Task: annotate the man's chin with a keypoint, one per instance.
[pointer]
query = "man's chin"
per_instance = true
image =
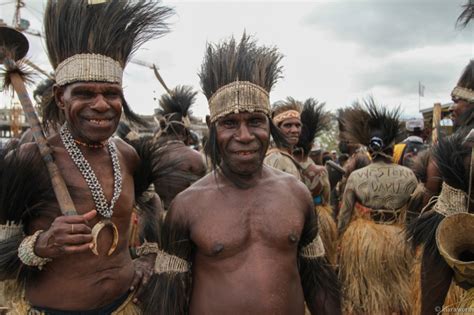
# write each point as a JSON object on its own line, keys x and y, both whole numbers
{"x": 243, "y": 170}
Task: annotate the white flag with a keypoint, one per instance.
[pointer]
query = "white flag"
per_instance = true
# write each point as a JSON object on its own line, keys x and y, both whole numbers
{"x": 421, "y": 89}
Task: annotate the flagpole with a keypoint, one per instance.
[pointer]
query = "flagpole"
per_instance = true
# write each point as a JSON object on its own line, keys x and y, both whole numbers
{"x": 419, "y": 97}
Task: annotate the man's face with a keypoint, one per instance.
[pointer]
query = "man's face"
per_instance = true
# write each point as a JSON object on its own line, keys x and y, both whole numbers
{"x": 460, "y": 107}
{"x": 92, "y": 109}
{"x": 291, "y": 127}
{"x": 243, "y": 140}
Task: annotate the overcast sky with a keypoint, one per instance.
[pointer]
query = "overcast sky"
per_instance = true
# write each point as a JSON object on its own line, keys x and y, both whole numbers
{"x": 335, "y": 50}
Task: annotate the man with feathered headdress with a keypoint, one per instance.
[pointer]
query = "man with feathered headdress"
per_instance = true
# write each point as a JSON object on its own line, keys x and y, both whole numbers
{"x": 248, "y": 231}
{"x": 61, "y": 264}
{"x": 175, "y": 135}
{"x": 374, "y": 261}
{"x": 439, "y": 185}
{"x": 286, "y": 116}
{"x": 314, "y": 120}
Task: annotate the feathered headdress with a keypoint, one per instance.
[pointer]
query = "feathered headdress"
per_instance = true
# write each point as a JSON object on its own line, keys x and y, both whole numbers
{"x": 465, "y": 88}
{"x": 94, "y": 42}
{"x": 175, "y": 107}
{"x": 289, "y": 108}
{"x": 372, "y": 125}
{"x": 237, "y": 77}
{"x": 314, "y": 120}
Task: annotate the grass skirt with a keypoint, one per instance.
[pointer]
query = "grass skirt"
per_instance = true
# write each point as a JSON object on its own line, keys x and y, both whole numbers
{"x": 375, "y": 264}
{"x": 328, "y": 232}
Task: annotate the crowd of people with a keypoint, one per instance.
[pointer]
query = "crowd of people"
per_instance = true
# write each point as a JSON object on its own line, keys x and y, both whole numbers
{"x": 257, "y": 222}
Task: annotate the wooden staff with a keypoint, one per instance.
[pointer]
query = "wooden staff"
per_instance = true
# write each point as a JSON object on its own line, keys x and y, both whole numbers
{"x": 158, "y": 76}
{"x": 436, "y": 121}
{"x": 14, "y": 43}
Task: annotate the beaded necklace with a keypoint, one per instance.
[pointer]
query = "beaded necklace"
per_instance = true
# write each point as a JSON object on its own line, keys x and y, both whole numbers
{"x": 88, "y": 145}
{"x": 89, "y": 175}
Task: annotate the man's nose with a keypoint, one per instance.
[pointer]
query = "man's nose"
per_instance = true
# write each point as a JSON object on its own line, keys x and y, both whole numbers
{"x": 243, "y": 134}
{"x": 100, "y": 104}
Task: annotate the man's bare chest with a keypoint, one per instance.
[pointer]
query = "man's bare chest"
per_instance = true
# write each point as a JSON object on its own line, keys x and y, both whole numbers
{"x": 226, "y": 231}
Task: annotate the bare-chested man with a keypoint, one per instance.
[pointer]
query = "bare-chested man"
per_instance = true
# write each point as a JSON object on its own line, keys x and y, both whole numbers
{"x": 57, "y": 267}
{"x": 248, "y": 231}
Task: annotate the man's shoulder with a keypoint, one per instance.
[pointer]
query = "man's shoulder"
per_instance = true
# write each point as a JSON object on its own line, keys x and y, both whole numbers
{"x": 282, "y": 179}
{"x": 199, "y": 187}
{"x": 126, "y": 149}
{"x": 361, "y": 170}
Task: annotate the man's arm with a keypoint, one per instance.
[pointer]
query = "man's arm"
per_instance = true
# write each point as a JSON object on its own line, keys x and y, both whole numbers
{"x": 168, "y": 291}
{"x": 320, "y": 284}
{"x": 28, "y": 203}
{"x": 436, "y": 278}
{"x": 433, "y": 182}
{"x": 149, "y": 215}
{"x": 348, "y": 203}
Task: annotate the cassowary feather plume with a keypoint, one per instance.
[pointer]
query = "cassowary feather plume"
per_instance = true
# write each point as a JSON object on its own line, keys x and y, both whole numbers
{"x": 314, "y": 119}
{"x": 367, "y": 121}
{"x": 116, "y": 28}
{"x": 177, "y": 105}
{"x": 230, "y": 61}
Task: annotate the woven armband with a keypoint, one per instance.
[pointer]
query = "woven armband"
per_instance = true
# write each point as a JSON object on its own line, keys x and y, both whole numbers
{"x": 450, "y": 201}
{"x": 26, "y": 252}
{"x": 147, "y": 248}
{"x": 166, "y": 263}
{"x": 315, "y": 249}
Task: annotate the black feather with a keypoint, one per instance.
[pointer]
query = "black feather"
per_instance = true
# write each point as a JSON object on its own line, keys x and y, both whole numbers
{"x": 22, "y": 69}
{"x": 466, "y": 15}
{"x": 422, "y": 231}
{"x": 228, "y": 62}
{"x": 368, "y": 119}
{"x": 178, "y": 103}
{"x": 115, "y": 29}
{"x": 318, "y": 277}
{"x": 314, "y": 120}
{"x": 21, "y": 200}
{"x": 453, "y": 159}
{"x": 175, "y": 286}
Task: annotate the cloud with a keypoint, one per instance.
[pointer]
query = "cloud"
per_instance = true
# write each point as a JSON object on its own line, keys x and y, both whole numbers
{"x": 382, "y": 26}
{"x": 436, "y": 67}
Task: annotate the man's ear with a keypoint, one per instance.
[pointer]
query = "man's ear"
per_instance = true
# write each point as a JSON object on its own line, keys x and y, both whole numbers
{"x": 58, "y": 92}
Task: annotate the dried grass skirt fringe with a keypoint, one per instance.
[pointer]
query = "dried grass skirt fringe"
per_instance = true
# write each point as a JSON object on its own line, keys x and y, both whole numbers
{"x": 375, "y": 264}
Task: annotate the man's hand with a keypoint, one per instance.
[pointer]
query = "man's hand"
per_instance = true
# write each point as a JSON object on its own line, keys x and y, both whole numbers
{"x": 66, "y": 235}
{"x": 144, "y": 268}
